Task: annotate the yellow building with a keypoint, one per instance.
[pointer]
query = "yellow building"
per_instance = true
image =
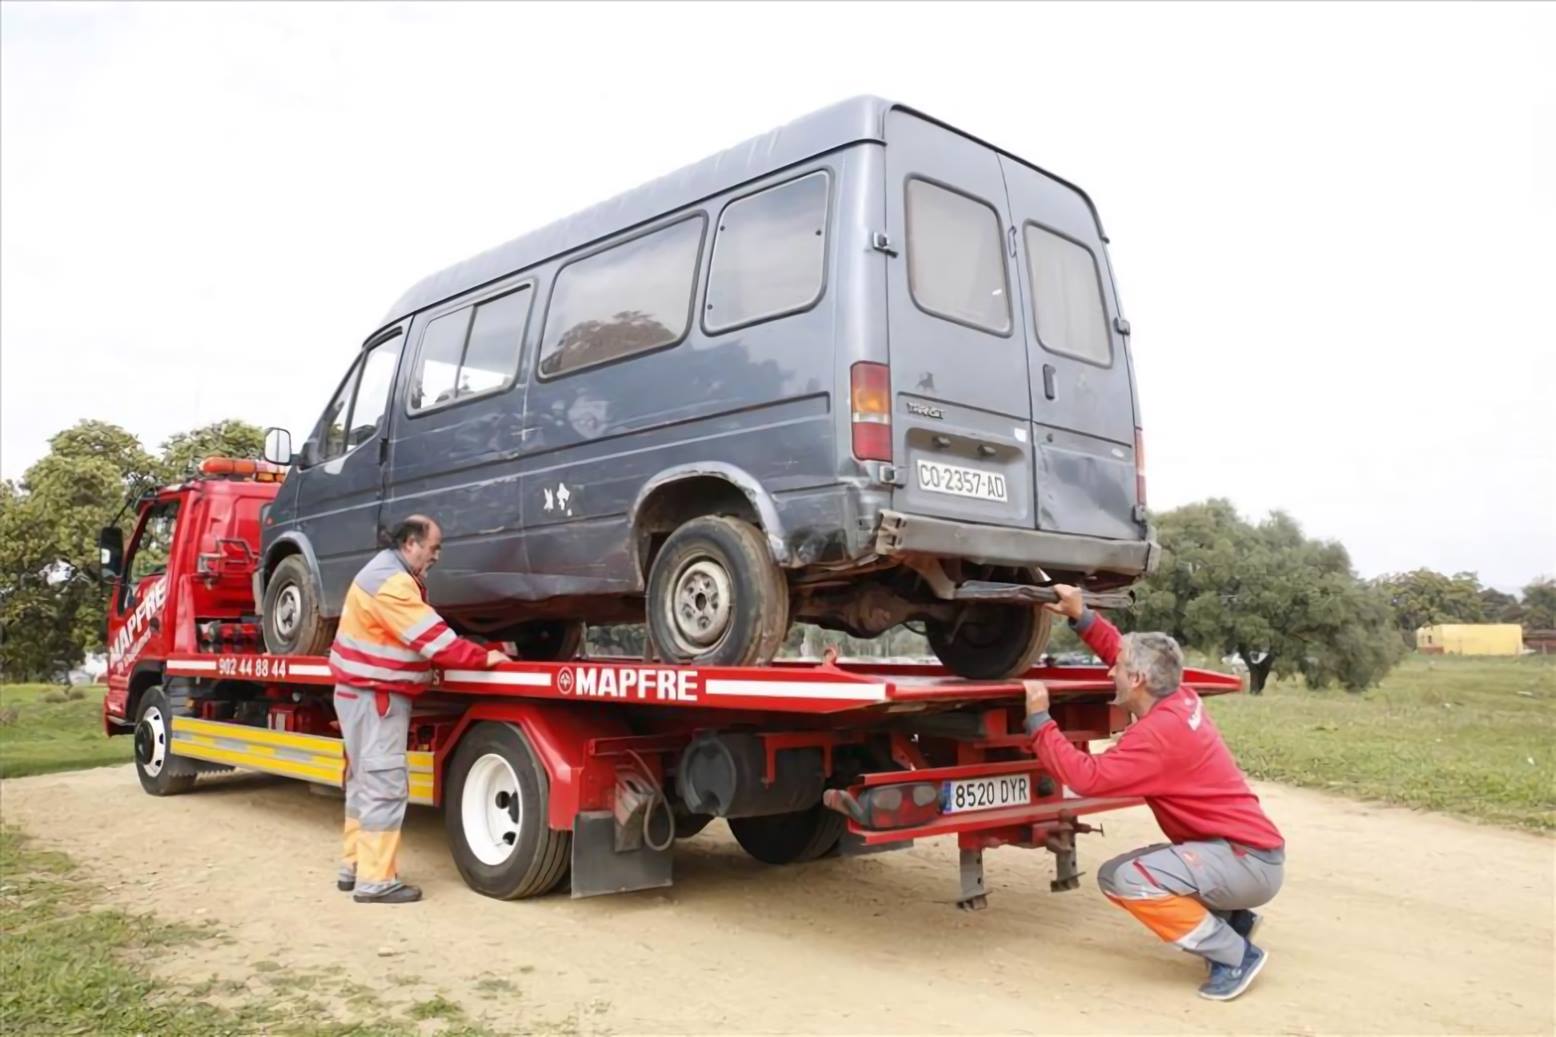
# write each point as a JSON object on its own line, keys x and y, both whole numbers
{"x": 1471, "y": 639}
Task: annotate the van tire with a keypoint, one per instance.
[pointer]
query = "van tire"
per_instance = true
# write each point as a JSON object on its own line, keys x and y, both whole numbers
{"x": 716, "y": 597}
{"x": 992, "y": 642}
{"x": 790, "y": 838}
{"x": 292, "y": 623}
{"x": 499, "y": 758}
{"x": 160, "y": 772}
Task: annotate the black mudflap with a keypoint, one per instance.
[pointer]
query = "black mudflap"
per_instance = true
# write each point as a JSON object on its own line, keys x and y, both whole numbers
{"x": 599, "y": 868}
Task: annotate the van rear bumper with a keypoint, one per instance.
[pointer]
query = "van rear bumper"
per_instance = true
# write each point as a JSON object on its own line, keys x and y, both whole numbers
{"x": 899, "y": 534}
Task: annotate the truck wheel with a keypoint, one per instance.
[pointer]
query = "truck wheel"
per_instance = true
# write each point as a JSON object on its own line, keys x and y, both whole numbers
{"x": 546, "y": 640}
{"x": 160, "y": 772}
{"x": 716, "y": 597}
{"x": 292, "y": 622}
{"x": 494, "y": 808}
{"x": 802, "y": 835}
{"x": 992, "y": 642}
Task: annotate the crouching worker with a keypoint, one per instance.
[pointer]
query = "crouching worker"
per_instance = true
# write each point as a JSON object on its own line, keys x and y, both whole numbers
{"x": 1225, "y": 857}
{"x": 387, "y": 644}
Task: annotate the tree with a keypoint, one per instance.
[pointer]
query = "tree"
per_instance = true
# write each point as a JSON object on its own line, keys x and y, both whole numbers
{"x": 51, "y": 605}
{"x": 1539, "y": 605}
{"x": 1423, "y": 598}
{"x": 183, "y": 451}
{"x": 1282, "y": 602}
{"x": 1498, "y": 607}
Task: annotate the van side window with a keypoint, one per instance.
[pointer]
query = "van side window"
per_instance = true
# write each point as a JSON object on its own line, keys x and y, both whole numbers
{"x": 470, "y": 352}
{"x": 629, "y": 299}
{"x": 1067, "y": 297}
{"x": 332, "y": 426}
{"x": 373, "y": 389}
{"x": 768, "y": 254}
{"x": 956, "y": 258}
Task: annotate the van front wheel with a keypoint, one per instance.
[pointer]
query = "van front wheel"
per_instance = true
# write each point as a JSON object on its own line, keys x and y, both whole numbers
{"x": 991, "y": 642}
{"x": 716, "y": 597}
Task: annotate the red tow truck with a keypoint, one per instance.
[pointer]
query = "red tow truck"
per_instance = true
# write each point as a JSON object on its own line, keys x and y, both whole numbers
{"x": 588, "y": 769}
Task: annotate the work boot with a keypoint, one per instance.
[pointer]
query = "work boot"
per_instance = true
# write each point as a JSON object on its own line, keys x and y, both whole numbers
{"x": 1228, "y": 981}
{"x": 401, "y": 894}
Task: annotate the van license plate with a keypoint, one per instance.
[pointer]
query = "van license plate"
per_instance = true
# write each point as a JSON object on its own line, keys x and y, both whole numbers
{"x": 962, "y": 482}
{"x": 1006, "y": 790}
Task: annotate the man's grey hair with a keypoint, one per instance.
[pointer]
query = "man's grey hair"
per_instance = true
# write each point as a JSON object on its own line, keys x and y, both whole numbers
{"x": 1155, "y": 657}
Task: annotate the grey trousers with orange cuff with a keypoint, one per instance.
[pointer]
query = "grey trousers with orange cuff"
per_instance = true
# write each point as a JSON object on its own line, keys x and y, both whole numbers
{"x": 1183, "y": 891}
{"x": 377, "y": 787}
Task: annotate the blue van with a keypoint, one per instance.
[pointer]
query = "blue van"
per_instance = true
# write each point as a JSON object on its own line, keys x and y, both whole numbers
{"x": 864, "y": 370}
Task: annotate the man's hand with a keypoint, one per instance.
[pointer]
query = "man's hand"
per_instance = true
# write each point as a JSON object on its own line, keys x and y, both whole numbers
{"x": 1037, "y": 696}
{"x": 1070, "y": 602}
{"x": 494, "y": 658}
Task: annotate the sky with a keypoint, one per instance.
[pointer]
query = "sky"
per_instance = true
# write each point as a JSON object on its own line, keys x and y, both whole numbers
{"x": 1333, "y": 226}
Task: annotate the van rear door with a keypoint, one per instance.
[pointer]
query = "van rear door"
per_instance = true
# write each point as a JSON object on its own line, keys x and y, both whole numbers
{"x": 961, "y": 402}
{"x": 1082, "y": 397}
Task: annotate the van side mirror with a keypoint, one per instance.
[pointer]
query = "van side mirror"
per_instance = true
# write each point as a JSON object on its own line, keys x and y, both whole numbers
{"x": 278, "y": 446}
{"x": 110, "y": 547}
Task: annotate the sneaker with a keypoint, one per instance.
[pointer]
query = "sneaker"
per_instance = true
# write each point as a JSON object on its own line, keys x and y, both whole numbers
{"x": 401, "y": 894}
{"x": 345, "y": 885}
{"x": 1228, "y": 981}
{"x": 1244, "y": 923}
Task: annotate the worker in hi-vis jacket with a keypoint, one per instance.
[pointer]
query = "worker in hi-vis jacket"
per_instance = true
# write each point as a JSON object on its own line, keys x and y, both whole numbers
{"x": 387, "y": 644}
{"x": 1224, "y": 856}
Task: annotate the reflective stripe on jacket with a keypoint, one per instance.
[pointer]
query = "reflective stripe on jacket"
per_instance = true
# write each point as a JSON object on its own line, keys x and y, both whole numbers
{"x": 389, "y": 638}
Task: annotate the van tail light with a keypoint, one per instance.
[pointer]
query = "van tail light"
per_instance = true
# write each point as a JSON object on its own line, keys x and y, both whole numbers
{"x": 870, "y": 391}
{"x": 1140, "y": 468}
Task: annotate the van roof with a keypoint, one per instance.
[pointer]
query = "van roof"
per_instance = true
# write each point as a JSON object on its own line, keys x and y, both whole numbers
{"x": 853, "y": 121}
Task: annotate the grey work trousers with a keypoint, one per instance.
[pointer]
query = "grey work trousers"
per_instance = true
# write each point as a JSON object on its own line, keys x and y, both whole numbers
{"x": 377, "y": 786}
{"x": 1183, "y": 892}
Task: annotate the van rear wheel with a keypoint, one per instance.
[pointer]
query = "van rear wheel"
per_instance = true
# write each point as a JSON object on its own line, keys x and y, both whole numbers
{"x": 716, "y": 597}
{"x": 991, "y": 642}
{"x": 292, "y": 623}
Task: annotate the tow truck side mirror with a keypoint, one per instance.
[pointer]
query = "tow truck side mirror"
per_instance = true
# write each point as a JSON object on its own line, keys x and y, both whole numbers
{"x": 110, "y": 546}
{"x": 278, "y": 446}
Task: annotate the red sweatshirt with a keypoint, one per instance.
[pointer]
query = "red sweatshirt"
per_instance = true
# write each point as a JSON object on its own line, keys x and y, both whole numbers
{"x": 1173, "y": 757}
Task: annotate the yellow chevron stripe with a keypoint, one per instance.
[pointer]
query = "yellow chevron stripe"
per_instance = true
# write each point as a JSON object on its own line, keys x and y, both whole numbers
{"x": 258, "y": 735}
{"x": 269, "y": 765}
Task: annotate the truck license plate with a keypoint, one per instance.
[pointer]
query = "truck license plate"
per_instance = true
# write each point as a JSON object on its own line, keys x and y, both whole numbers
{"x": 1006, "y": 790}
{"x": 938, "y": 477}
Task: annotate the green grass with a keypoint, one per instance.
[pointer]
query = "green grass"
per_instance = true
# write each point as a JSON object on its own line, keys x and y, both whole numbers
{"x": 71, "y": 965}
{"x": 1473, "y": 737}
{"x": 39, "y": 737}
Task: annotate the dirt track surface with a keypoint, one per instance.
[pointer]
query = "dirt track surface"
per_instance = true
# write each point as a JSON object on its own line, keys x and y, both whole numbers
{"x": 1390, "y": 921}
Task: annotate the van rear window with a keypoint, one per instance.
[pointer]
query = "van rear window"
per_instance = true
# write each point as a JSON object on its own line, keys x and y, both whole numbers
{"x": 768, "y": 254}
{"x": 1067, "y": 297}
{"x": 626, "y": 300}
{"x": 956, "y": 262}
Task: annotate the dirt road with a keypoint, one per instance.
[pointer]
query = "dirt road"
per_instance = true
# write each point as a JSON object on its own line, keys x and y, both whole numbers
{"x": 1391, "y": 921}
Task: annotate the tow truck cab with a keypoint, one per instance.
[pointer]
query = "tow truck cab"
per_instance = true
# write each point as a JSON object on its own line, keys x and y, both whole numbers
{"x": 184, "y": 582}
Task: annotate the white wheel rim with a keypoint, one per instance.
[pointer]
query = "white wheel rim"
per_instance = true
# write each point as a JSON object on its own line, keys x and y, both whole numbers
{"x": 157, "y": 731}
{"x": 701, "y": 605}
{"x": 289, "y": 608}
{"x": 491, "y": 810}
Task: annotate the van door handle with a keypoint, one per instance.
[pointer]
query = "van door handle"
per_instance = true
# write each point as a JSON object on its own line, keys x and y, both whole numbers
{"x": 1048, "y": 381}
{"x": 1012, "y": 237}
